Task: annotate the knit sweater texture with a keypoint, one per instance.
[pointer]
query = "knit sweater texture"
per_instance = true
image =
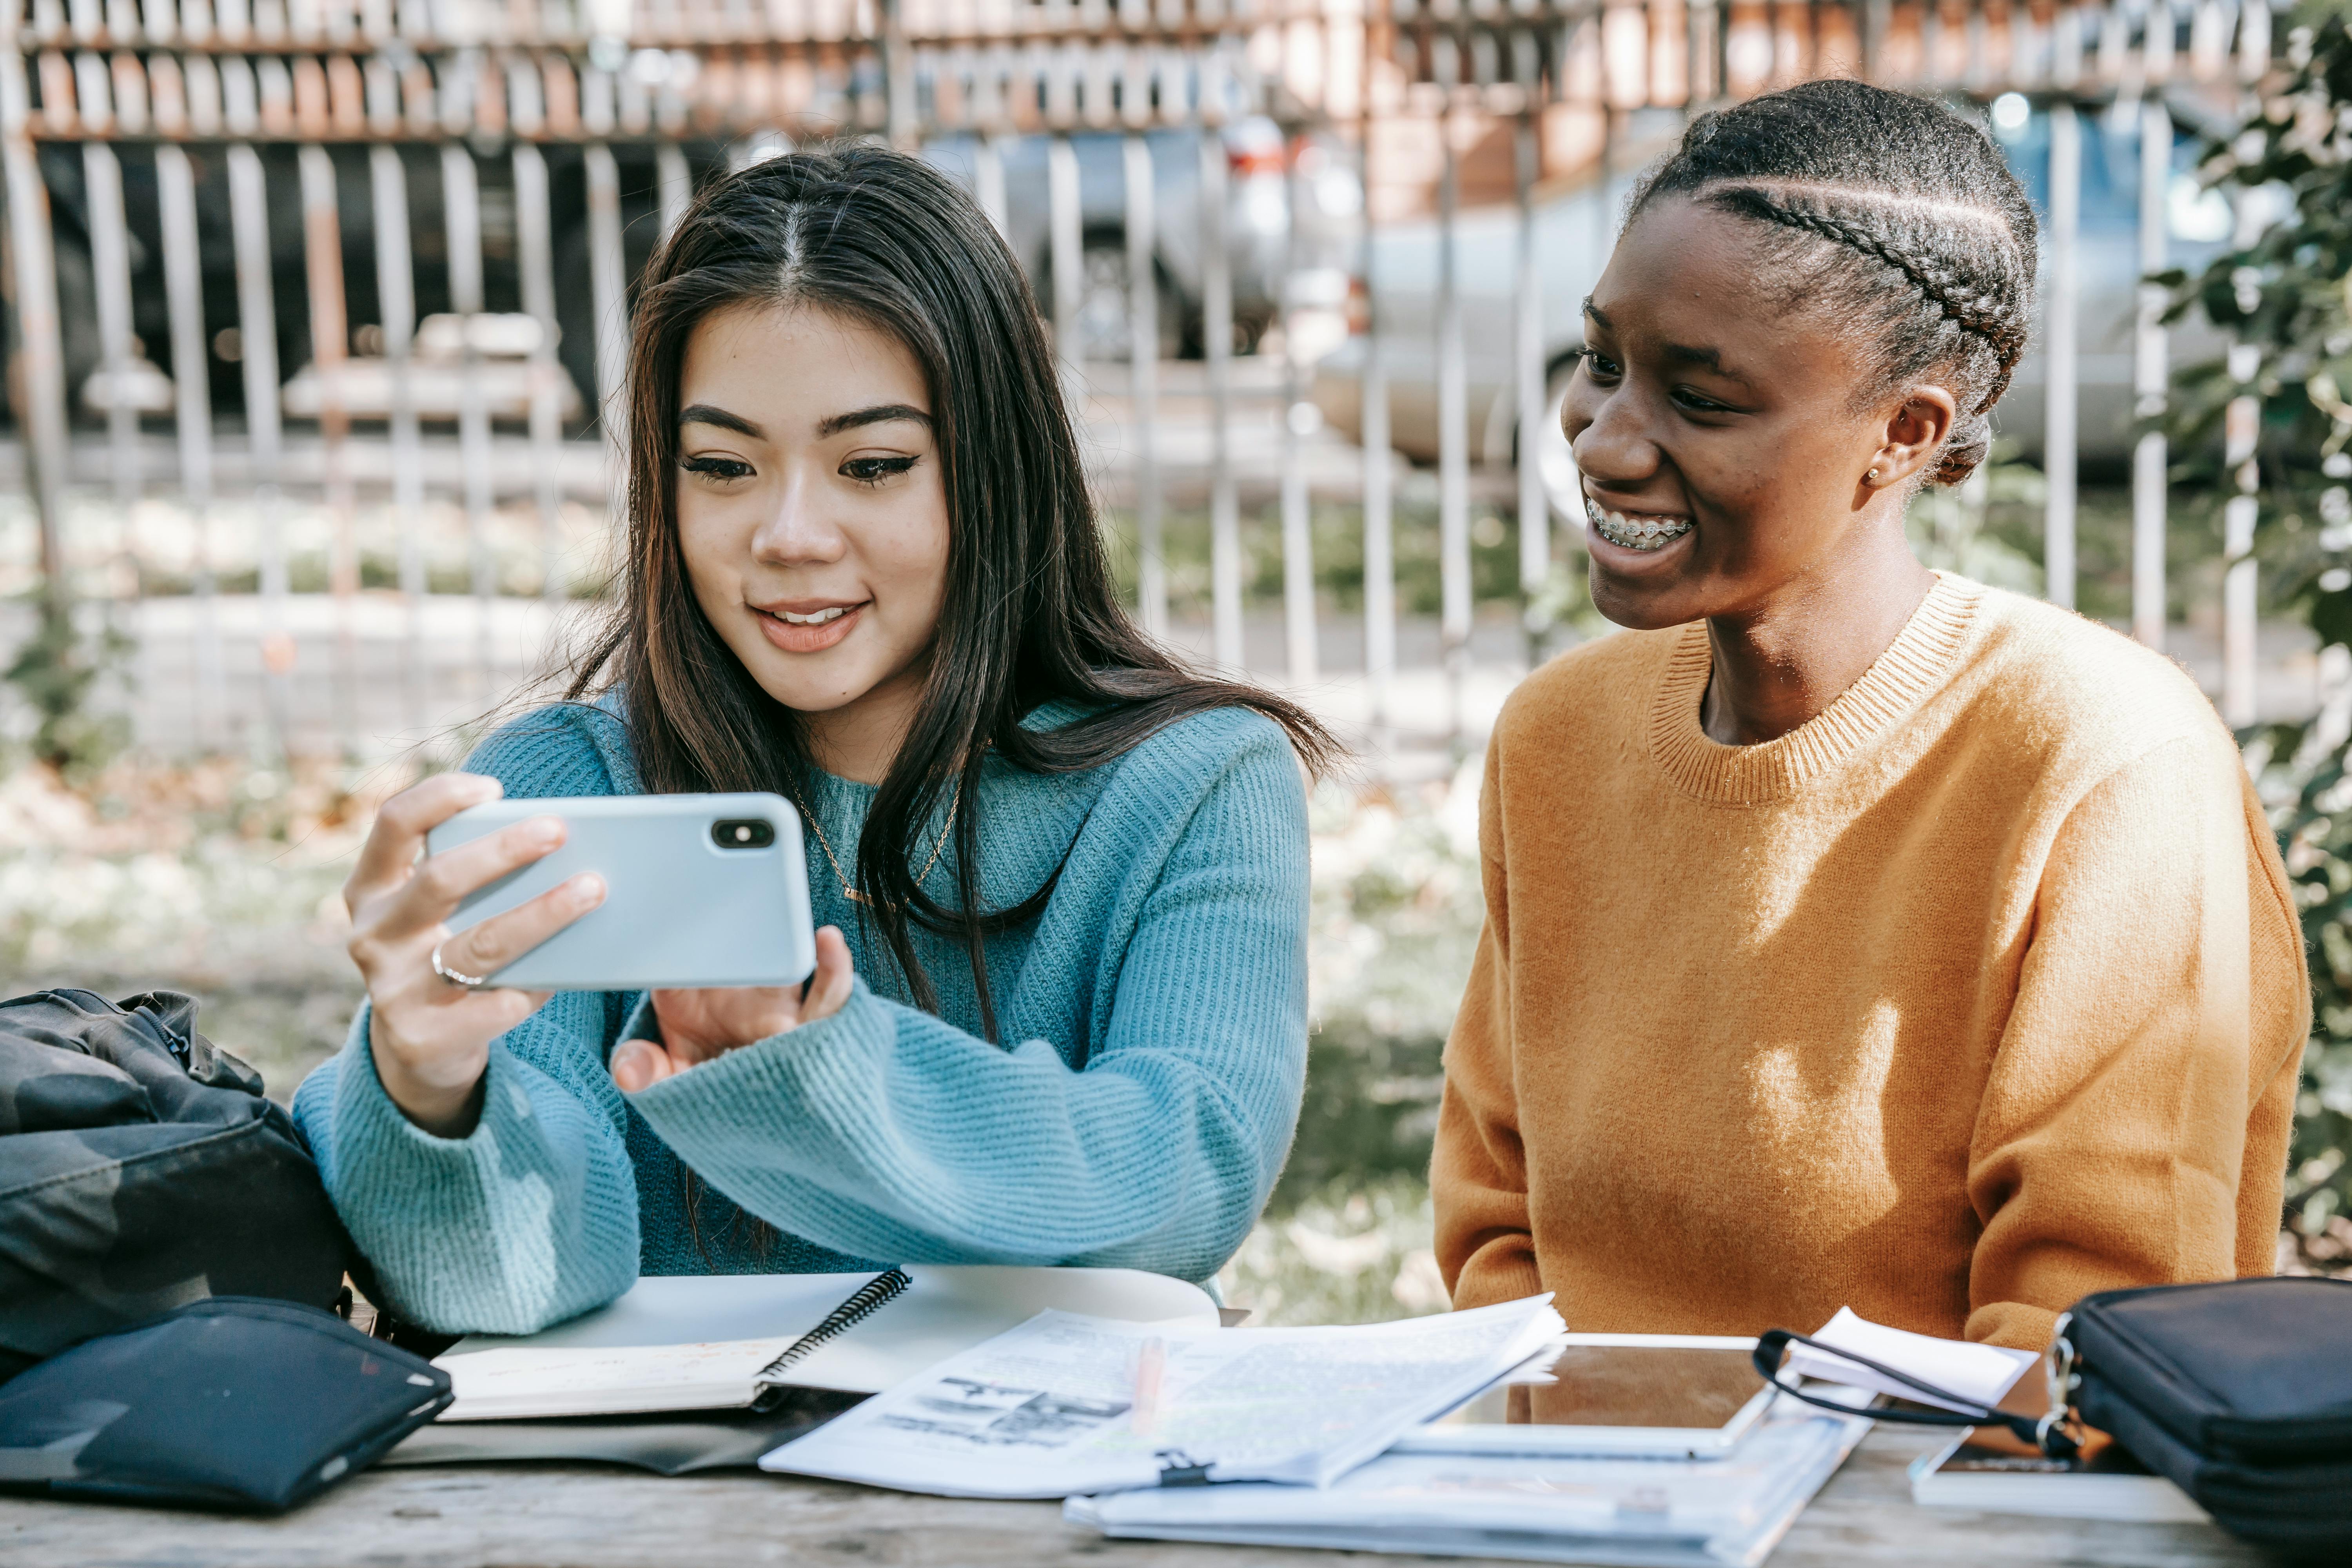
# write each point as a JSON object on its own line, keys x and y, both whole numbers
{"x": 1980, "y": 992}
{"x": 1154, "y": 1017}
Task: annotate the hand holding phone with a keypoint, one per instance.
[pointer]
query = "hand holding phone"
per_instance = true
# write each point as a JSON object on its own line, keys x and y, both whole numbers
{"x": 698, "y": 1026}
{"x": 430, "y": 1039}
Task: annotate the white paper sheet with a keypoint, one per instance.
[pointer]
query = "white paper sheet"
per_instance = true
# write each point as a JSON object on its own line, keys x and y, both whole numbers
{"x": 1981, "y": 1372}
{"x": 1050, "y": 1409}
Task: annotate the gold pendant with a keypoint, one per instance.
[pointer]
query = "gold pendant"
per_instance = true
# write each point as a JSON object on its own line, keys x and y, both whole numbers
{"x": 855, "y": 897}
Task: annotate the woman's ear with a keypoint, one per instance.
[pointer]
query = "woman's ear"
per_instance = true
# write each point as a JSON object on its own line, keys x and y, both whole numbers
{"x": 1915, "y": 432}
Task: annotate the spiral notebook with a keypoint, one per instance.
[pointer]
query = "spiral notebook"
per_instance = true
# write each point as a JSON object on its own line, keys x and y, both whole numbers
{"x": 724, "y": 1342}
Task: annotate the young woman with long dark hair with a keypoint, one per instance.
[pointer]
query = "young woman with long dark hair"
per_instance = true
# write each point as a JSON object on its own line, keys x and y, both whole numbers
{"x": 1857, "y": 935}
{"x": 1059, "y": 1009}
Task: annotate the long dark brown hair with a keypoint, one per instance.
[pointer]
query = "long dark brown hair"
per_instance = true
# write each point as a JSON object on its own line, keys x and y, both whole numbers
{"x": 1029, "y": 616}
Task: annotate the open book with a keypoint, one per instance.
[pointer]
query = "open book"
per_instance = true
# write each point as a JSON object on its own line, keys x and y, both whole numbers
{"x": 1065, "y": 1404}
{"x": 720, "y": 1342}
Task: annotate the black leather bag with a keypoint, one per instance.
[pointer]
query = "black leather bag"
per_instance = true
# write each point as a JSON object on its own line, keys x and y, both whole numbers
{"x": 141, "y": 1168}
{"x": 2240, "y": 1392}
{"x": 231, "y": 1403}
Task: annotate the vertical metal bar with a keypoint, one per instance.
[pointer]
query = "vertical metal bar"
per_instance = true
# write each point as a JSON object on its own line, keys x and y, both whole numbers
{"x": 2148, "y": 372}
{"x": 110, "y": 261}
{"x": 257, "y": 332}
{"x": 674, "y": 178}
{"x": 1297, "y": 415}
{"x": 2060, "y": 406}
{"x": 1217, "y": 349}
{"x": 397, "y": 301}
{"x": 40, "y": 348}
{"x": 183, "y": 288}
{"x": 1528, "y": 328}
{"x": 110, "y": 258}
{"x": 607, "y": 285}
{"x": 1452, "y": 445}
{"x": 1379, "y": 551}
{"x": 988, "y": 180}
{"x": 902, "y": 125}
{"x": 1066, "y": 262}
{"x": 461, "y": 216}
{"x": 535, "y": 259}
{"x": 322, "y": 247}
{"x": 2242, "y": 426}
{"x": 2253, "y": 41}
{"x": 1143, "y": 383}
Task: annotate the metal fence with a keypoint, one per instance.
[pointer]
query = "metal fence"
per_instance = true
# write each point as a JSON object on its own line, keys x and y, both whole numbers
{"x": 315, "y": 303}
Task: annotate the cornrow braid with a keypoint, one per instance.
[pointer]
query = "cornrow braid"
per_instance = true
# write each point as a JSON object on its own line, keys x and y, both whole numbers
{"x": 1936, "y": 235}
{"x": 1989, "y": 311}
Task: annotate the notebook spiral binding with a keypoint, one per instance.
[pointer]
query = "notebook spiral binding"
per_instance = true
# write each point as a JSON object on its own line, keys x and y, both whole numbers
{"x": 871, "y": 1297}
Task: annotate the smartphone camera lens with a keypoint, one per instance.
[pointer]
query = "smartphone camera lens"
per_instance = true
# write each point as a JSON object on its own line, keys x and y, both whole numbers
{"x": 744, "y": 833}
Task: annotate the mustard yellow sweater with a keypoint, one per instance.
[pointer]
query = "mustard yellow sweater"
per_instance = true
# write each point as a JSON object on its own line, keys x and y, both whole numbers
{"x": 1980, "y": 992}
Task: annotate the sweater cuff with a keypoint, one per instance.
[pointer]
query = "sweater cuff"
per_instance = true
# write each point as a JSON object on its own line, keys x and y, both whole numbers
{"x": 738, "y": 1094}
{"x": 1485, "y": 1281}
{"x": 423, "y": 1209}
{"x": 367, "y": 1118}
{"x": 643, "y": 1022}
{"x": 2012, "y": 1325}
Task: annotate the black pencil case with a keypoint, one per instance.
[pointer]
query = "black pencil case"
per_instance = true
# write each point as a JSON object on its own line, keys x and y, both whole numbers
{"x": 2240, "y": 1392}
{"x": 230, "y": 1403}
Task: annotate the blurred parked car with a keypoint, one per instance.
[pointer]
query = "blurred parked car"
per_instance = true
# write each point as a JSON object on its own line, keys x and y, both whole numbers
{"x": 502, "y": 379}
{"x": 1574, "y": 233}
{"x": 366, "y": 387}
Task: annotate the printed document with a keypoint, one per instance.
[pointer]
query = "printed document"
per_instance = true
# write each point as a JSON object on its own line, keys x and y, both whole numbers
{"x": 1066, "y": 1403}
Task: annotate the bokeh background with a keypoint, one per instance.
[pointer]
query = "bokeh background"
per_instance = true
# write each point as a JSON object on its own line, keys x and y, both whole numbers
{"x": 313, "y": 319}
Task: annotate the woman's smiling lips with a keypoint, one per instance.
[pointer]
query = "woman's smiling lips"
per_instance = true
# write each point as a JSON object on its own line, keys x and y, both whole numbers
{"x": 808, "y": 626}
{"x": 1632, "y": 538}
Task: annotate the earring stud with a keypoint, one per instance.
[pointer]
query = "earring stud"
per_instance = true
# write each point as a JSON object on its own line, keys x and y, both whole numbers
{"x": 1872, "y": 476}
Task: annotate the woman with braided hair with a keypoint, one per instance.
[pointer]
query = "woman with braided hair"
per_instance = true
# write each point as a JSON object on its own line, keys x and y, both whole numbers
{"x": 1856, "y": 934}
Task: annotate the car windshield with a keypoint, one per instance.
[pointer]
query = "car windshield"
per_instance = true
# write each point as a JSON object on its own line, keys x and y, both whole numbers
{"x": 2111, "y": 177}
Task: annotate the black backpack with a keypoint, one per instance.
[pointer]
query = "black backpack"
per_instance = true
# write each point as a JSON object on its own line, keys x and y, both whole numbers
{"x": 141, "y": 1169}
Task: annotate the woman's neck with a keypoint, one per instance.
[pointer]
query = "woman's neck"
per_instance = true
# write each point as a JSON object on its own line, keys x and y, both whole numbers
{"x": 1779, "y": 665}
{"x": 859, "y": 740}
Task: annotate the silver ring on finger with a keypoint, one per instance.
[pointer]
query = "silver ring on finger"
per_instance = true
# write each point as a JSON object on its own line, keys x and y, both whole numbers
{"x": 462, "y": 981}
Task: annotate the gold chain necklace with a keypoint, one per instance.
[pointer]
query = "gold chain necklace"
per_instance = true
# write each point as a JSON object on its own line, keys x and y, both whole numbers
{"x": 853, "y": 894}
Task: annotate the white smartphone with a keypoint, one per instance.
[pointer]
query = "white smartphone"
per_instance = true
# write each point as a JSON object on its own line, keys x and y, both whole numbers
{"x": 699, "y": 891}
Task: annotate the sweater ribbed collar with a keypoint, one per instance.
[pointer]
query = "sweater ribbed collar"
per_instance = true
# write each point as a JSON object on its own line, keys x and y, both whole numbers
{"x": 1914, "y": 664}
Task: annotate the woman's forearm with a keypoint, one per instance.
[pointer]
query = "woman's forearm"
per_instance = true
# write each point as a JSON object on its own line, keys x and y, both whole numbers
{"x": 529, "y": 1219}
{"x": 883, "y": 1132}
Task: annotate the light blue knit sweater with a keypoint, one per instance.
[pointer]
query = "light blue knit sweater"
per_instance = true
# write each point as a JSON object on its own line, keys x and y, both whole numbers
{"x": 1155, "y": 1020}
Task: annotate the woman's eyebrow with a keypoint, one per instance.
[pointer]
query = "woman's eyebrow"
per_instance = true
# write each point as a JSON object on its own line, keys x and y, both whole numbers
{"x": 1711, "y": 358}
{"x": 880, "y": 414}
{"x": 1681, "y": 353}
{"x": 704, "y": 413}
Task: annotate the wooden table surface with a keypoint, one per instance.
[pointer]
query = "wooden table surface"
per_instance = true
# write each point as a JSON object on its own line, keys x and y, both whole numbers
{"x": 581, "y": 1516}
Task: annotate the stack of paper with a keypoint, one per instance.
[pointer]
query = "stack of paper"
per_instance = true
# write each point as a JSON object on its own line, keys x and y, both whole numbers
{"x": 1066, "y": 1403}
{"x": 1981, "y": 1373}
{"x": 1728, "y": 1512}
